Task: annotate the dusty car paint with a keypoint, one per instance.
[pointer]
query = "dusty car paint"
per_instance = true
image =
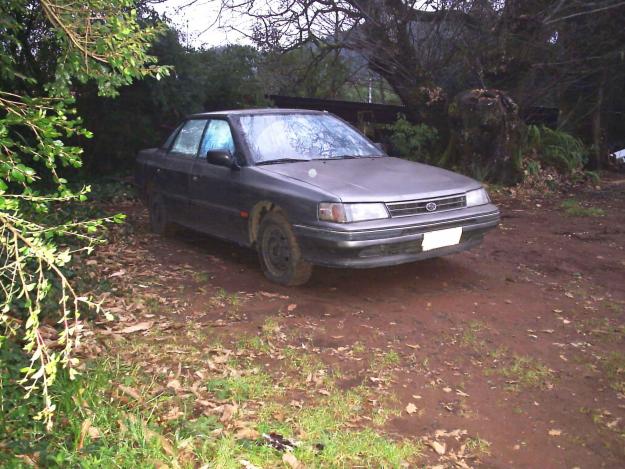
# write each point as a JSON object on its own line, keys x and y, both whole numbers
{"x": 227, "y": 202}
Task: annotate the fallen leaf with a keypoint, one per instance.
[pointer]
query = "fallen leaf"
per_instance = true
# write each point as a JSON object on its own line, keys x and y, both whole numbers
{"x": 291, "y": 460}
{"x": 439, "y": 448}
{"x": 228, "y": 412}
{"x": 84, "y": 431}
{"x": 411, "y": 408}
{"x": 555, "y": 432}
{"x": 141, "y": 326}
{"x": 246, "y": 464}
{"x": 93, "y": 433}
{"x": 291, "y": 307}
{"x": 132, "y": 392}
{"x": 174, "y": 384}
{"x": 416, "y": 346}
{"x": 247, "y": 433}
{"x": 173, "y": 414}
{"x": 447, "y": 389}
{"x": 324, "y": 392}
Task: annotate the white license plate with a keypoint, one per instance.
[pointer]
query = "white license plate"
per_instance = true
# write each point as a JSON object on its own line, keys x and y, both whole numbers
{"x": 441, "y": 238}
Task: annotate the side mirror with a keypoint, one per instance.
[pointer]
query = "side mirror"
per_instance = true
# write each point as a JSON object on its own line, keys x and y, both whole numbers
{"x": 220, "y": 158}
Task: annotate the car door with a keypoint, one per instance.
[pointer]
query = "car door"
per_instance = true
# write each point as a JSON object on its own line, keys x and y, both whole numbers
{"x": 216, "y": 190}
{"x": 175, "y": 170}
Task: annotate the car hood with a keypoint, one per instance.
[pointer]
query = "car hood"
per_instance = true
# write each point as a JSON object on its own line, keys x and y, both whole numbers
{"x": 383, "y": 179}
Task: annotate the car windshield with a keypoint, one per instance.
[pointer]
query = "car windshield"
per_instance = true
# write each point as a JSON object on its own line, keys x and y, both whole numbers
{"x": 300, "y": 136}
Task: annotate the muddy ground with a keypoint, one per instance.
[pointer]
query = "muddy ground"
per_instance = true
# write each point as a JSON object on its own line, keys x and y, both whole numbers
{"x": 520, "y": 342}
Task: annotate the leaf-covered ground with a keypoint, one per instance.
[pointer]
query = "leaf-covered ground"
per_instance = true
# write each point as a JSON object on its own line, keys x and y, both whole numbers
{"x": 509, "y": 355}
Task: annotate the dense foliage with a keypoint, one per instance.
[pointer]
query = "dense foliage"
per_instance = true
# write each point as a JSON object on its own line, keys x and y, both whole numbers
{"x": 47, "y": 48}
{"x": 414, "y": 141}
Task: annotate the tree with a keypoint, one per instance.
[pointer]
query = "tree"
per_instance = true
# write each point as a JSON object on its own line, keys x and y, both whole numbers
{"x": 429, "y": 51}
{"x": 47, "y": 48}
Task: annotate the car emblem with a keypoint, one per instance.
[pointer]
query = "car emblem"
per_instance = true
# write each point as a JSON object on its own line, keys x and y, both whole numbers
{"x": 430, "y": 206}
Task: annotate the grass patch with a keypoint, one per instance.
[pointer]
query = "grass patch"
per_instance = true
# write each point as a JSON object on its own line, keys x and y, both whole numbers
{"x": 270, "y": 327}
{"x": 253, "y": 343}
{"x": 523, "y": 372}
{"x": 242, "y": 388}
{"x": 125, "y": 433}
{"x": 304, "y": 363}
{"x": 328, "y": 440}
{"x": 470, "y": 336}
{"x": 385, "y": 361}
{"x": 573, "y": 208}
{"x": 118, "y": 435}
{"x": 477, "y": 445}
{"x": 223, "y": 298}
{"x": 614, "y": 369}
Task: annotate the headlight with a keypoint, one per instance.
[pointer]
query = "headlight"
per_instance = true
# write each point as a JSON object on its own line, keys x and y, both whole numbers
{"x": 346, "y": 213}
{"x": 477, "y": 197}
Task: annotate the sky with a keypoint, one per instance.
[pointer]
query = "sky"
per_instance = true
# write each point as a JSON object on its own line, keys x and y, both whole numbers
{"x": 200, "y": 20}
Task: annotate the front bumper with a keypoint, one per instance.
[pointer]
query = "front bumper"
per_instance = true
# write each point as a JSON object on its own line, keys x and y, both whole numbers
{"x": 392, "y": 245}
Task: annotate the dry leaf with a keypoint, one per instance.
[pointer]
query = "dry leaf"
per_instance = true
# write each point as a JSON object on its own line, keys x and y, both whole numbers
{"x": 173, "y": 414}
{"x": 411, "y": 408}
{"x": 324, "y": 392}
{"x": 174, "y": 384}
{"x": 132, "y": 392}
{"x": 447, "y": 389}
{"x": 555, "y": 432}
{"x": 440, "y": 448}
{"x": 84, "y": 431}
{"x": 141, "y": 326}
{"x": 93, "y": 433}
{"x": 291, "y": 460}
{"x": 227, "y": 413}
{"x": 246, "y": 464}
{"x": 246, "y": 433}
{"x": 291, "y": 307}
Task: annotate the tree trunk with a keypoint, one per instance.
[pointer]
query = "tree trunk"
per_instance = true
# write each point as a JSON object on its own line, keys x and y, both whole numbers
{"x": 599, "y": 152}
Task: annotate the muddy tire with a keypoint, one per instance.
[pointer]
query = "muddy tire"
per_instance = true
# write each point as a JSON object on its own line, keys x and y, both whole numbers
{"x": 159, "y": 220}
{"x": 279, "y": 252}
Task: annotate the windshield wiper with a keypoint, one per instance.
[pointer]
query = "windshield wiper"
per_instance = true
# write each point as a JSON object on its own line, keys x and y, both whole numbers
{"x": 281, "y": 160}
{"x": 351, "y": 157}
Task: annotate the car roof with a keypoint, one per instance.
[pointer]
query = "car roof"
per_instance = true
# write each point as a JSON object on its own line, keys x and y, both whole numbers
{"x": 261, "y": 111}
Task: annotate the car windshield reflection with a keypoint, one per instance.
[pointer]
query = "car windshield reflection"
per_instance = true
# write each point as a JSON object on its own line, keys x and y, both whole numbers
{"x": 300, "y": 136}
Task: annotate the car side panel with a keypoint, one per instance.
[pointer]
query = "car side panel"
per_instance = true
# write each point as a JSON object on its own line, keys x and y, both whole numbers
{"x": 159, "y": 174}
{"x": 215, "y": 201}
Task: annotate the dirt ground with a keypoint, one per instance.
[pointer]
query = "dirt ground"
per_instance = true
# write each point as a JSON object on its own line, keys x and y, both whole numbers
{"x": 520, "y": 342}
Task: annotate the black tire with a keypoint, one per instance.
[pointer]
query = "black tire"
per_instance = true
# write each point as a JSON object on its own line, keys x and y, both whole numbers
{"x": 159, "y": 220}
{"x": 279, "y": 252}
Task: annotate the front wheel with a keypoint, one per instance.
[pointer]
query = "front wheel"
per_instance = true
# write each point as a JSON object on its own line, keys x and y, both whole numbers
{"x": 279, "y": 252}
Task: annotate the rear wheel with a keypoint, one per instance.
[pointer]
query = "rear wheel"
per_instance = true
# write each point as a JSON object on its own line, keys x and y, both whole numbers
{"x": 159, "y": 220}
{"x": 279, "y": 252}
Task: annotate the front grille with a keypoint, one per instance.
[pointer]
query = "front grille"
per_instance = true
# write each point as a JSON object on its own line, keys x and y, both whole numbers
{"x": 417, "y": 207}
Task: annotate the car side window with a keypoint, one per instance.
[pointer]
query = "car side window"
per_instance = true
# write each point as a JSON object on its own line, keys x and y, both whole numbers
{"x": 188, "y": 139}
{"x": 218, "y": 136}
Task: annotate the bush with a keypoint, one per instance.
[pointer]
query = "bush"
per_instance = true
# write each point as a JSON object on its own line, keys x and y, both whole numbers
{"x": 414, "y": 141}
{"x": 556, "y": 149}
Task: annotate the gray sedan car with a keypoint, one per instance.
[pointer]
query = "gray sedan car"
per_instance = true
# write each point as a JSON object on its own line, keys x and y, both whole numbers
{"x": 305, "y": 188}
